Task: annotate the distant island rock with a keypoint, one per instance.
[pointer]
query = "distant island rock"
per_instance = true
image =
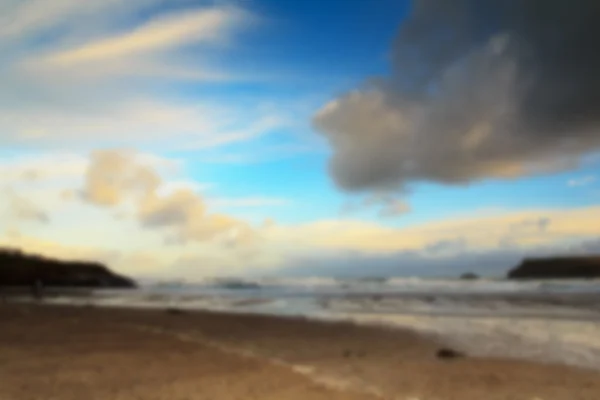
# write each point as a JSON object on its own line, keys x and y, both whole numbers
{"x": 557, "y": 268}
{"x": 20, "y": 269}
{"x": 469, "y": 276}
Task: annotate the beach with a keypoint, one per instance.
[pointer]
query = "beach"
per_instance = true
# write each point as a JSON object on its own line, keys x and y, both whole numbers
{"x": 68, "y": 352}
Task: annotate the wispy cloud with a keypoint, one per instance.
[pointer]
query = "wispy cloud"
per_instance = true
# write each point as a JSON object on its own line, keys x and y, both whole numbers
{"x": 158, "y": 35}
{"x": 104, "y": 87}
{"x": 582, "y": 181}
{"x": 22, "y": 209}
{"x": 38, "y": 167}
{"x": 178, "y": 125}
{"x": 524, "y": 229}
{"x": 21, "y": 18}
{"x": 388, "y": 205}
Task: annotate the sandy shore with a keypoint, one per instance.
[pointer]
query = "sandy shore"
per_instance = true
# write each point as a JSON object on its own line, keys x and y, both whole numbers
{"x": 90, "y": 353}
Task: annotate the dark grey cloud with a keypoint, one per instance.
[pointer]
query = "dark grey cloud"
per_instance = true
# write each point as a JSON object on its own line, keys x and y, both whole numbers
{"x": 478, "y": 89}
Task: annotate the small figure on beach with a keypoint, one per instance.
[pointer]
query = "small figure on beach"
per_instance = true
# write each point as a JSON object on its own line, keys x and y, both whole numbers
{"x": 37, "y": 290}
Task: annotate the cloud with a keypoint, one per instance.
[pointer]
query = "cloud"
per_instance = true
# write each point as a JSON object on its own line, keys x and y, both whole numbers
{"x": 117, "y": 177}
{"x": 113, "y": 175}
{"x": 172, "y": 209}
{"x": 477, "y": 91}
{"x": 159, "y": 34}
{"x": 42, "y": 166}
{"x": 481, "y": 233}
{"x": 171, "y": 229}
{"x": 174, "y": 125}
{"x": 23, "y": 209}
{"x": 493, "y": 263}
{"x": 55, "y": 249}
{"x": 32, "y": 186}
{"x": 186, "y": 217}
{"x": 22, "y": 18}
{"x": 387, "y": 204}
{"x": 584, "y": 181}
{"x": 95, "y": 74}
{"x": 391, "y": 207}
{"x": 487, "y": 244}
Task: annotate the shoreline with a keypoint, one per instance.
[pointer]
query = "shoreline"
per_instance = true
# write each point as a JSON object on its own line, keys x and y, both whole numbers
{"x": 338, "y": 357}
{"x": 538, "y": 327}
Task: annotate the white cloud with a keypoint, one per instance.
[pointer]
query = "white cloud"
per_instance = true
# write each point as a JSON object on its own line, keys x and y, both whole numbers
{"x": 19, "y": 18}
{"x": 42, "y": 166}
{"x": 583, "y": 181}
{"x": 113, "y": 175}
{"x": 160, "y": 34}
{"x": 523, "y": 229}
{"x": 20, "y": 208}
{"x": 83, "y": 90}
{"x": 170, "y": 125}
{"x": 116, "y": 177}
{"x": 168, "y": 211}
{"x": 54, "y": 249}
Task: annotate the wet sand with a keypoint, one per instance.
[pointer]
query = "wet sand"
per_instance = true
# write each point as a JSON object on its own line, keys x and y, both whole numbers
{"x": 51, "y": 352}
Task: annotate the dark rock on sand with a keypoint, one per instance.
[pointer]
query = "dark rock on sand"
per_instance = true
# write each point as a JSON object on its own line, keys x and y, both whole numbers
{"x": 20, "y": 269}
{"x": 448, "y": 354}
{"x": 356, "y": 354}
{"x": 557, "y": 268}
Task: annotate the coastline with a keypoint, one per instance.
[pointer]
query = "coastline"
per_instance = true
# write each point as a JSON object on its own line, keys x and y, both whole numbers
{"x": 77, "y": 345}
{"x": 558, "y": 326}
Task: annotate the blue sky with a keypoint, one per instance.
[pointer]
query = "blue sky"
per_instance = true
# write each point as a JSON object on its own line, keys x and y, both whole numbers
{"x": 203, "y": 132}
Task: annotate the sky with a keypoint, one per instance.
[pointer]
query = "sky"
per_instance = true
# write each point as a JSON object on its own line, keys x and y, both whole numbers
{"x": 193, "y": 138}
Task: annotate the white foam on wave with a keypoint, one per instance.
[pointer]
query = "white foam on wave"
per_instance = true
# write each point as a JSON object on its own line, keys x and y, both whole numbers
{"x": 569, "y": 342}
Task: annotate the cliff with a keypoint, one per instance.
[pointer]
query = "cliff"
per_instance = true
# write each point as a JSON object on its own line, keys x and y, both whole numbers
{"x": 20, "y": 269}
{"x": 557, "y": 268}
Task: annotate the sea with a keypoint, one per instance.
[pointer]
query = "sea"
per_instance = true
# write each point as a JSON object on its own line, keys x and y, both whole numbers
{"x": 554, "y": 321}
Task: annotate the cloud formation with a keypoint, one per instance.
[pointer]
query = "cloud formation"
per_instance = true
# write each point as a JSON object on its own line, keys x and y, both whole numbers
{"x": 189, "y": 26}
{"x": 24, "y": 18}
{"x": 112, "y": 175}
{"x": 39, "y": 166}
{"x": 90, "y": 74}
{"x": 496, "y": 89}
{"x": 117, "y": 177}
{"x": 170, "y": 229}
{"x": 472, "y": 233}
